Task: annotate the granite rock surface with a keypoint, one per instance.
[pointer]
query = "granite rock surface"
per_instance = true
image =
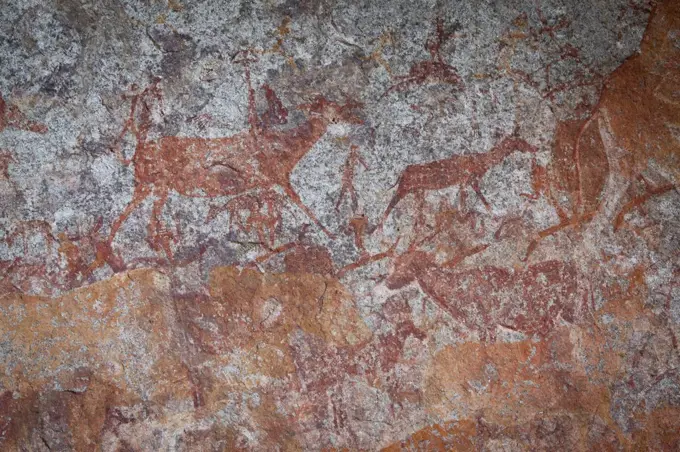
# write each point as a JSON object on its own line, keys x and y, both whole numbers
{"x": 339, "y": 225}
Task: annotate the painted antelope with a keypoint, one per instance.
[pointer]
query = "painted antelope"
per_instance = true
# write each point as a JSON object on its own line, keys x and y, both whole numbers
{"x": 529, "y": 301}
{"x": 258, "y": 158}
{"x": 456, "y": 170}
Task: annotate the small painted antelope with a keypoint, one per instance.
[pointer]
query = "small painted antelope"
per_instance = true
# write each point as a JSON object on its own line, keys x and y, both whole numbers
{"x": 456, "y": 170}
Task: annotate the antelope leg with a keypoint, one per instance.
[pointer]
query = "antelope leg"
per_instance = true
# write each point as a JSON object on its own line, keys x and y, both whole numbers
{"x": 140, "y": 194}
{"x": 156, "y": 237}
{"x": 296, "y": 199}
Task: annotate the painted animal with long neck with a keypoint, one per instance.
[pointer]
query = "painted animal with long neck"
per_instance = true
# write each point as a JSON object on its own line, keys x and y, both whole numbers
{"x": 258, "y": 158}
{"x": 529, "y": 301}
{"x": 456, "y": 170}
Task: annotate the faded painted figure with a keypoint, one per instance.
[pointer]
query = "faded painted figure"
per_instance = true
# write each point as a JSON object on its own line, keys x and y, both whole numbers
{"x": 531, "y": 301}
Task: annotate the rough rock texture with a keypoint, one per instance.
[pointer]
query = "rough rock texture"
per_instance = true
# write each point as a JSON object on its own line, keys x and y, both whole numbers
{"x": 339, "y": 225}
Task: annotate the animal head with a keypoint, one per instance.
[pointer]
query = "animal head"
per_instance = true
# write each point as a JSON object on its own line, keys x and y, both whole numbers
{"x": 332, "y": 112}
{"x": 513, "y": 143}
{"x": 147, "y": 104}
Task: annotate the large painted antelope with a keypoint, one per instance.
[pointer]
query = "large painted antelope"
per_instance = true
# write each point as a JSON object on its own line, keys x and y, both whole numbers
{"x": 258, "y": 158}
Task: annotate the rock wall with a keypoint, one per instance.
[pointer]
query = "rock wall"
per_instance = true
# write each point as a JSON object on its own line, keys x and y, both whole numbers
{"x": 329, "y": 225}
